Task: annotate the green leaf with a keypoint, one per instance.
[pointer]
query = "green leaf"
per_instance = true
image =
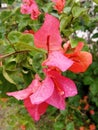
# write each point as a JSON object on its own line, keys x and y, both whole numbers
{"x": 37, "y": 61}
{"x": 58, "y": 126}
{"x": 65, "y": 21}
{"x": 14, "y": 36}
{"x": 5, "y": 15}
{"x": 47, "y": 7}
{"x": 10, "y": 1}
{"x": 67, "y": 10}
{"x": 88, "y": 80}
{"x": 26, "y": 38}
{"x": 74, "y": 41}
{"x": 94, "y": 88}
{"x": 68, "y": 32}
{"x": 78, "y": 11}
{"x": 70, "y": 126}
{"x": 7, "y": 77}
{"x": 21, "y": 46}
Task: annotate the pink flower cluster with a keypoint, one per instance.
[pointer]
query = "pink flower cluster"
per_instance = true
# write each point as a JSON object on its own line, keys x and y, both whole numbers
{"x": 55, "y": 88}
{"x": 30, "y": 7}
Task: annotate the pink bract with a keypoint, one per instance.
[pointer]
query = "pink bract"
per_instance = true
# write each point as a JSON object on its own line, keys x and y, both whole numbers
{"x": 30, "y": 7}
{"x": 52, "y": 90}
{"x": 35, "y": 110}
{"x": 59, "y": 5}
{"x": 48, "y": 36}
{"x": 82, "y": 59}
{"x": 57, "y": 59}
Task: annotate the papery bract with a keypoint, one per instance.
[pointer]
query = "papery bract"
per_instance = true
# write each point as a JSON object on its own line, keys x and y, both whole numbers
{"x": 82, "y": 59}
{"x": 48, "y": 36}
{"x": 43, "y": 92}
{"x": 64, "y": 87}
{"x": 30, "y": 7}
{"x": 38, "y": 89}
{"x": 23, "y": 94}
{"x": 59, "y": 5}
{"x": 35, "y": 110}
{"x": 52, "y": 90}
{"x": 57, "y": 59}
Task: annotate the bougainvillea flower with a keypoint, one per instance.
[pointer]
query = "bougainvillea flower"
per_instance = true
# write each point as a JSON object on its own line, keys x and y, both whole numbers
{"x": 64, "y": 87}
{"x": 30, "y": 7}
{"x": 48, "y": 36}
{"x": 35, "y": 95}
{"x": 82, "y": 59}
{"x": 52, "y": 90}
{"x": 59, "y": 5}
{"x": 57, "y": 59}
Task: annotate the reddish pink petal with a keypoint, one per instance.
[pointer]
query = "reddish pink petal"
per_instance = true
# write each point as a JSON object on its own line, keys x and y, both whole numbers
{"x": 22, "y": 94}
{"x": 63, "y": 84}
{"x": 43, "y": 92}
{"x": 56, "y": 100}
{"x": 48, "y": 36}
{"x": 57, "y": 59}
{"x": 69, "y": 86}
{"x": 35, "y": 110}
{"x": 79, "y": 47}
{"x": 30, "y": 7}
{"x": 59, "y": 5}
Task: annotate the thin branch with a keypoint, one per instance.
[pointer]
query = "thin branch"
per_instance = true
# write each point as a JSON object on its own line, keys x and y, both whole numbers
{"x": 14, "y": 53}
{"x": 10, "y": 43}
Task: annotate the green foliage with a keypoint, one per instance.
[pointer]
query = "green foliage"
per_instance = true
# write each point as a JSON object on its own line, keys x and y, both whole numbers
{"x": 21, "y": 60}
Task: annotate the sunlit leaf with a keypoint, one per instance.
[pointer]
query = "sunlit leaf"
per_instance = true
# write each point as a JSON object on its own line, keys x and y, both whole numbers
{"x": 7, "y": 77}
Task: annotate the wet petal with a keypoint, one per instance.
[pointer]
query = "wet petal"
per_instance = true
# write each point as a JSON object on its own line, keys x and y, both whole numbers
{"x": 57, "y": 100}
{"x": 48, "y": 36}
{"x": 63, "y": 84}
{"x": 43, "y": 92}
{"x": 57, "y": 59}
{"x": 22, "y": 94}
{"x": 35, "y": 110}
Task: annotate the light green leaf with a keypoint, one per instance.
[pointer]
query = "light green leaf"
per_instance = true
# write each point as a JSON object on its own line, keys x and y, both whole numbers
{"x": 26, "y": 38}
{"x": 70, "y": 126}
{"x": 21, "y": 46}
{"x": 67, "y": 10}
{"x": 74, "y": 41}
{"x": 13, "y": 36}
{"x": 65, "y": 21}
{"x": 78, "y": 11}
{"x": 7, "y": 77}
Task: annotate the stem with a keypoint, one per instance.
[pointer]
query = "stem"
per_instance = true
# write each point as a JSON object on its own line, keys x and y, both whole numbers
{"x": 14, "y": 53}
{"x": 10, "y": 43}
